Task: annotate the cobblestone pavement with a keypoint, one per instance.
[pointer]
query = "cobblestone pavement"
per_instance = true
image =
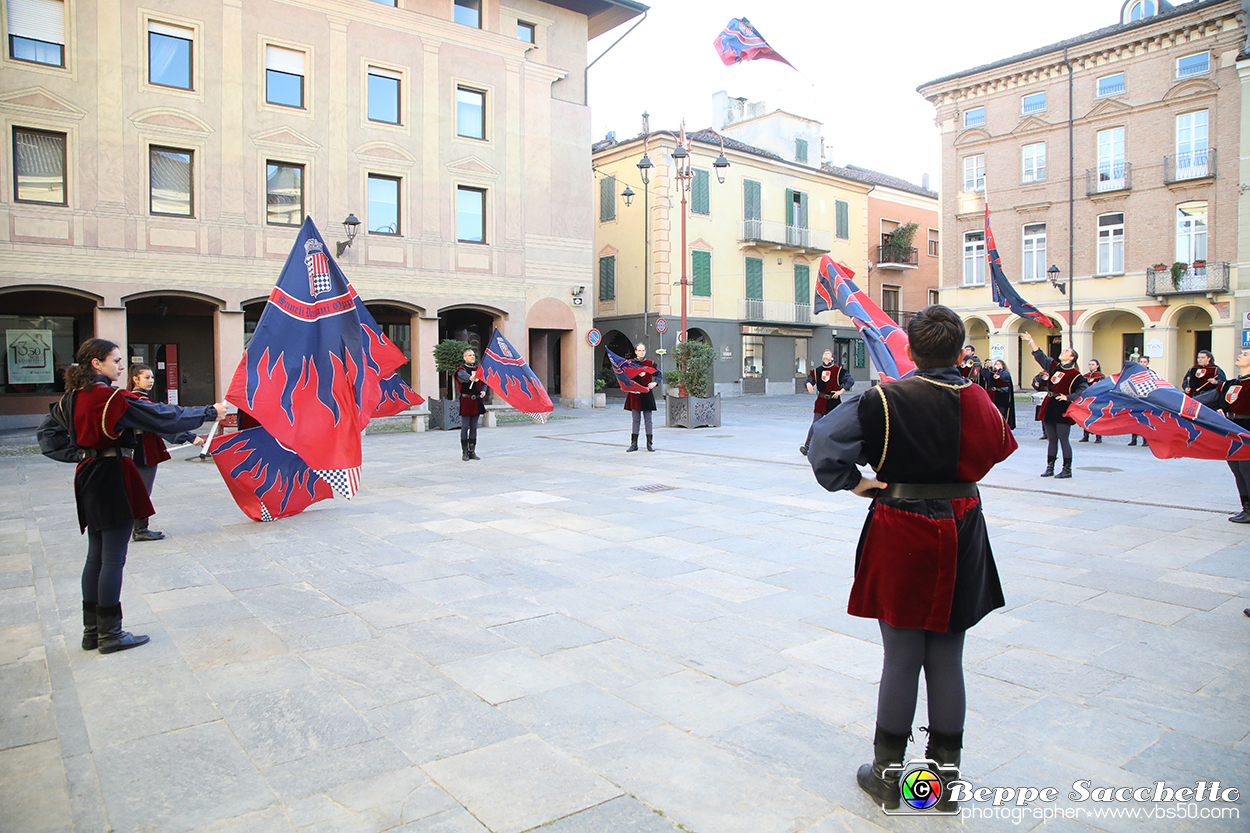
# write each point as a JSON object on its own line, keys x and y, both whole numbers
{"x": 532, "y": 640}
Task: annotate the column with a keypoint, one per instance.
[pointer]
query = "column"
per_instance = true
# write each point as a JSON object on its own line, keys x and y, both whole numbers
{"x": 110, "y": 323}
{"x": 227, "y": 348}
{"x": 424, "y": 340}
{"x": 110, "y": 153}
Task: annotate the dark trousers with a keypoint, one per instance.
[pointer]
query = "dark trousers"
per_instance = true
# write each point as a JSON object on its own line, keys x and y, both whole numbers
{"x": 106, "y": 556}
{"x": 941, "y": 655}
{"x": 468, "y": 427}
{"x": 1057, "y": 437}
{"x": 148, "y": 475}
{"x": 1241, "y": 475}
{"x": 638, "y": 418}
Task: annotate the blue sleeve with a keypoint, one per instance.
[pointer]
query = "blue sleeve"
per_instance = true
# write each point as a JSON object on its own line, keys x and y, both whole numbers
{"x": 1212, "y": 398}
{"x": 159, "y": 418}
{"x": 1219, "y": 376}
{"x": 848, "y": 381}
{"x": 1042, "y": 359}
{"x": 837, "y": 447}
{"x": 179, "y": 438}
{"x": 463, "y": 376}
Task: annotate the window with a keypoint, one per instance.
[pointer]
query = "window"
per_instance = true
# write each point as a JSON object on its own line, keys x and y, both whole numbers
{"x": 889, "y": 301}
{"x": 469, "y": 13}
{"x": 752, "y": 357}
{"x": 169, "y": 55}
{"x": 974, "y": 258}
{"x": 754, "y": 279}
{"x": 169, "y": 181}
{"x": 934, "y": 244}
{"x": 700, "y": 198}
{"x": 284, "y": 76}
{"x": 470, "y": 113}
{"x": 383, "y": 216}
{"x": 800, "y": 150}
{"x": 1191, "y": 145}
{"x": 1034, "y": 103}
{"x": 974, "y": 173}
{"x": 384, "y": 96}
{"x": 1140, "y": 10}
{"x": 752, "y": 225}
{"x": 1111, "y": 171}
{"x": 284, "y": 194}
{"x": 470, "y": 215}
{"x": 1034, "y": 252}
{"x": 843, "y": 219}
{"x": 701, "y": 274}
{"x": 974, "y": 117}
{"x": 525, "y": 31}
{"x": 1111, "y": 244}
{"x": 1191, "y": 231}
{"x": 38, "y": 166}
{"x": 1111, "y": 84}
{"x": 37, "y": 31}
{"x": 802, "y": 284}
{"x": 796, "y": 218}
{"x": 1034, "y": 162}
{"x": 386, "y": 2}
{"x": 607, "y": 199}
{"x": 934, "y": 297}
{"x": 607, "y": 278}
{"x": 1192, "y": 65}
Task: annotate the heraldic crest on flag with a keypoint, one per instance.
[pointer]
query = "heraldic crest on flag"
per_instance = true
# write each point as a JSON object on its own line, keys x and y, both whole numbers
{"x": 507, "y": 374}
{"x": 883, "y": 337}
{"x": 740, "y": 41}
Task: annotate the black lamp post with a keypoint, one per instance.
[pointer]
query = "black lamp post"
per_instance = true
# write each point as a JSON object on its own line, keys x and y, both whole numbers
{"x": 350, "y": 225}
{"x": 1053, "y": 274}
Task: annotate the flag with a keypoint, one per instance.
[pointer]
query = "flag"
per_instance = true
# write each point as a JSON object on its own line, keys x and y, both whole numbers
{"x": 883, "y": 337}
{"x": 1004, "y": 293}
{"x": 266, "y": 479}
{"x": 740, "y": 41}
{"x": 626, "y": 370}
{"x": 396, "y": 397}
{"x": 381, "y": 359}
{"x": 1139, "y": 402}
{"x": 507, "y": 374}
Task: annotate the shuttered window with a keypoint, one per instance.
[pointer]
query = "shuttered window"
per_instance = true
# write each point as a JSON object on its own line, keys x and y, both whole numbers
{"x": 700, "y": 199}
{"x": 802, "y": 283}
{"x": 607, "y": 199}
{"x": 800, "y": 150}
{"x": 284, "y": 76}
{"x": 37, "y": 31}
{"x": 755, "y": 279}
{"x": 751, "y": 200}
{"x": 843, "y": 220}
{"x": 701, "y": 270}
{"x": 796, "y": 209}
{"x": 607, "y": 278}
{"x": 169, "y": 55}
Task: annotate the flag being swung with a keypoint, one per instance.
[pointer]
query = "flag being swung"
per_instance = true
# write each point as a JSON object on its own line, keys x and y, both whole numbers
{"x": 740, "y": 41}
{"x": 627, "y": 371}
{"x": 507, "y": 374}
{"x": 1004, "y": 293}
{"x": 883, "y": 337}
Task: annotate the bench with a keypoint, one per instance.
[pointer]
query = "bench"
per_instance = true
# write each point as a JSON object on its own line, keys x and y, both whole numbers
{"x": 493, "y": 412}
{"x": 420, "y": 418}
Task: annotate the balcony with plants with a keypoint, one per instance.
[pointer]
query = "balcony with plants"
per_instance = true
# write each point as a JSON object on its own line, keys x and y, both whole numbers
{"x": 1197, "y": 278}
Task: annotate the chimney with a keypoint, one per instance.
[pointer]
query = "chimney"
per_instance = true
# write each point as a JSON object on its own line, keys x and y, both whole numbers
{"x": 646, "y": 123}
{"x": 924, "y": 182}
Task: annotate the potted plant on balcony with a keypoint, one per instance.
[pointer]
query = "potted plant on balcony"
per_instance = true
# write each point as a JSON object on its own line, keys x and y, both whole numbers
{"x": 448, "y": 356}
{"x": 1199, "y": 264}
{"x": 693, "y": 375}
{"x": 1178, "y": 272}
{"x": 899, "y": 244}
{"x": 1160, "y": 267}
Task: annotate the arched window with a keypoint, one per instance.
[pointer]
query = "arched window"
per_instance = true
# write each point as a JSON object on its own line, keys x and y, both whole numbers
{"x": 1139, "y": 10}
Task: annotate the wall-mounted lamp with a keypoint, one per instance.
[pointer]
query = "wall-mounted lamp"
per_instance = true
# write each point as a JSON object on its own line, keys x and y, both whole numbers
{"x": 1053, "y": 274}
{"x": 350, "y": 225}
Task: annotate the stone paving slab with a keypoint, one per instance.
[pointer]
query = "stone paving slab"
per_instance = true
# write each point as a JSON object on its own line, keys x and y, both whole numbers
{"x": 526, "y": 641}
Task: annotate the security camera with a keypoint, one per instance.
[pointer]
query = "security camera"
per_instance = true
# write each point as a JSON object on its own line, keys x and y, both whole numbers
{"x": 578, "y": 291}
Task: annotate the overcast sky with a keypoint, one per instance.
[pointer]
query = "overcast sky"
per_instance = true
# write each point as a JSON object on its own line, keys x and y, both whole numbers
{"x": 860, "y": 64}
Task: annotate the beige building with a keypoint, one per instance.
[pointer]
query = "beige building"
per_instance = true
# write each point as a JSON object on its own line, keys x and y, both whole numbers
{"x": 160, "y": 158}
{"x": 1146, "y": 115}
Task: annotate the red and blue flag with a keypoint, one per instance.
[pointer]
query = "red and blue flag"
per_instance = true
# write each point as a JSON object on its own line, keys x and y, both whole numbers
{"x": 882, "y": 335}
{"x": 508, "y": 375}
{"x": 1139, "y": 402}
{"x": 267, "y": 480}
{"x": 627, "y": 370}
{"x": 1004, "y": 293}
{"x": 740, "y": 41}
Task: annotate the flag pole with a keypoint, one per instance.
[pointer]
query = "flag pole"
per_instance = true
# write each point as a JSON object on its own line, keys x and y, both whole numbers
{"x": 212, "y": 432}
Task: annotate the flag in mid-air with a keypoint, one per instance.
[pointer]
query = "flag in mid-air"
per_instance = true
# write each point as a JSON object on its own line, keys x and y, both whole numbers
{"x": 1005, "y": 294}
{"x": 627, "y": 370}
{"x": 740, "y": 41}
{"x": 1176, "y": 425}
{"x": 507, "y": 374}
{"x": 266, "y": 480}
{"x": 883, "y": 337}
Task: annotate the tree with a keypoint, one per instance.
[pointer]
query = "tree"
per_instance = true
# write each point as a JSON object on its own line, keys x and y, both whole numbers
{"x": 448, "y": 356}
{"x": 694, "y": 368}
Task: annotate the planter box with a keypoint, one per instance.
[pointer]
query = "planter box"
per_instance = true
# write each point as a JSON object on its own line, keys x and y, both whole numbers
{"x": 690, "y": 412}
{"x": 444, "y": 414}
{"x": 601, "y": 400}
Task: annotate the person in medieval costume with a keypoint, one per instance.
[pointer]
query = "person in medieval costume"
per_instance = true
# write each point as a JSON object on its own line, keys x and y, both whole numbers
{"x": 642, "y": 404}
{"x": 473, "y": 392}
{"x": 828, "y": 382}
{"x": 1203, "y": 376}
{"x": 1232, "y": 397}
{"x": 1003, "y": 390}
{"x": 1093, "y": 377}
{"x": 151, "y": 450}
{"x": 1064, "y": 383}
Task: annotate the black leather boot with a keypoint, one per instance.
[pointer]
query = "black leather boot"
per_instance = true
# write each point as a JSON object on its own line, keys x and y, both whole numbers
{"x": 111, "y": 636}
{"x": 142, "y": 533}
{"x": 464, "y": 450}
{"x": 944, "y": 750}
{"x": 1050, "y": 467}
{"x": 90, "y": 636}
{"x": 1133, "y": 441}
{"x": 473, "y": 450}
{"x": 633, "y": 442}
{"x": 1067, "y": 470}
{"x": 650, "y": 447}
{"x": 1097, "y": 439}
{"x": 1242, "y": 517}
{"x": 888, "y": 750}
{"x": 1084, "y": 439}
{"x": 803, "y": 449}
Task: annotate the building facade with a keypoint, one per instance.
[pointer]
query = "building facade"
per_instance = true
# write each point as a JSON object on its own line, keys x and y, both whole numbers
{"x": 161, "y": 158}
{"x": 1110, "y": 157}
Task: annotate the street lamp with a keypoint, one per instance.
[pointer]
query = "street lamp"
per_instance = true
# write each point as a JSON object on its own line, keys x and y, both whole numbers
{"x": 350, "y": 225}
{"x": 628, "y": 194}
{"x": 1053, "y": 274}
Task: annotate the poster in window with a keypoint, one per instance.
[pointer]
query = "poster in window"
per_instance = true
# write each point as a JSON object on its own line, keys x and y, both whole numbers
{"x": 29, "y": 356}
{"x": 859, "y": 353}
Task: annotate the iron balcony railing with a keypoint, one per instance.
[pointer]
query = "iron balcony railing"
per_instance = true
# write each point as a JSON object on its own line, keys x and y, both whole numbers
{"x": 901, "y": 317}
{"x": 782, "y": 234}
{"x": 1117, "y": 176}
{"x": 1199, "y": 280}
{"x": 1195, "y": 164}
{"x": 897, "y": 256}
{"x": 752, "y": 309}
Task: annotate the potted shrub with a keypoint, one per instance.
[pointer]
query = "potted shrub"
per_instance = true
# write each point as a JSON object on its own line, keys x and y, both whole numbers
{"x": 693, "y": 377}
{"x": 1199, "y": 264}
{"x": 1160, "y": 267}
{"x": 601, "y": 398}
{"x": 448, "y": 356}
{"x": 1178, "y": 272}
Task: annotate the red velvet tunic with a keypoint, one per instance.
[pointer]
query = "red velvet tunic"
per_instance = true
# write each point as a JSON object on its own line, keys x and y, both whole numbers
{"x": 1201, "y": 379}
{"x": 826, "y": 379}
{"x": 642, "y": 401}
{"x": 470, "y": 401}
{"x": 108, "y": 490}
{"x": 1234, "y": 400}
{"x": 1060, "y": 380}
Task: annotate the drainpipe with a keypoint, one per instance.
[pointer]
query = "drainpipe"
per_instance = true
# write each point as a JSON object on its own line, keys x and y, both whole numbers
{"x": 1071, "y": 205}
{"x": 586, "y": 72}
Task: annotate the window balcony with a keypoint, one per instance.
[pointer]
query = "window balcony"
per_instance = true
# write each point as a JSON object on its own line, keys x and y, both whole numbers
{"x": 777, "y": 312}
{"x": 1182, "y": 167}
{"x": 1105, "y": 179}
{"x": 783, "y": 236}
{"x": 1211, "y": 279}
{"x": 897, "y": 257}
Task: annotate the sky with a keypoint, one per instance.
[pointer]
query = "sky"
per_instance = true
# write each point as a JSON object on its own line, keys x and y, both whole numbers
{"x": 858, "y": 66}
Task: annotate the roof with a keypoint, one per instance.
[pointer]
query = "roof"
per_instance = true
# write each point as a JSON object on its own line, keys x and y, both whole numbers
{"x": 1097, "y": 34}
{"x": 602, "y": 15}
{"x": 706, "y": 136}
{"x": 877, "y": 178}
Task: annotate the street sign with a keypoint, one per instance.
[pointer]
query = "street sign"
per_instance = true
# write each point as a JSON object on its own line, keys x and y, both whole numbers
{"x": 594, "y": 336}
{"x": 1245, "y": 321}
{"x": 681, "y": 337}
{"x": 661, "y": 352}
{"x": 1245, "y": 339}
{"x": 660, "y": 325}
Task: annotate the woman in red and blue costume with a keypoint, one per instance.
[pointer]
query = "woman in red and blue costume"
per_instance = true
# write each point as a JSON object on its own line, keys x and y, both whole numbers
{"x": 1064, "y": 382}
{"x": 151, "y": 451}
{"x": 642, "y": 404}
{"x": 108, "y": 488}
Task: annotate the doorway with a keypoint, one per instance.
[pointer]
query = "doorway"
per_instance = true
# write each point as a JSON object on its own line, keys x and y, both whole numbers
{"x": 545, "y": 359}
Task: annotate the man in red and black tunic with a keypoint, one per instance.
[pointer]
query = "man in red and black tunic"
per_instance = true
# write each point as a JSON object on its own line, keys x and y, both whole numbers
{"x": 473, "y": 391}
{"x": 1064, "y": 382}
{"x": 1232, "y": 397}
{"x": 923, "y": 566}
{"x": 828, "y": 382}
{"x": 1203, "y": 376}
{"x": 1094, "y": 376}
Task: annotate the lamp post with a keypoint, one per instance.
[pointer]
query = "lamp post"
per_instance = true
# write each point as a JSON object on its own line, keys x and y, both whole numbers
{"x": 1053, "y": 274}
{"x": 644, "y": 171}
{"x": 350, "y": 225}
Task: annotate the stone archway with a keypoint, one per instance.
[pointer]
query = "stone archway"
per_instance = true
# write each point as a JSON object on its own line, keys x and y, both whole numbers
{"x": 1115, "y": 333}
{"x": 1193, "y": 333}
{"x": 174, "y": 335}
{"x": 43, "y": 327}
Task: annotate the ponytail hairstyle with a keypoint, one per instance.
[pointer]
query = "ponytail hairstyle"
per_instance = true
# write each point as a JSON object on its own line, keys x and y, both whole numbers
{"x": 81, "y": 374}
{"x": 136, "y": 370}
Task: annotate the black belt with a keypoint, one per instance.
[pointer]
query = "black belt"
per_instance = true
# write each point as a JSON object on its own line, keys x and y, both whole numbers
{"x": 115, "y": 451}
{"x": 928, "y": 491}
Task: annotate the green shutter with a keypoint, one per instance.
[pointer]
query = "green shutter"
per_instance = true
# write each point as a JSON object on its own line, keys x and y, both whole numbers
{"x": 802, "y": 210}
{"x": 700, "y": 199}
{"x": 701, "y": 267}
{"x": 844, "y": 220}
{"x": 789, "y": 207}
{"x": 607, "y": 199}
{"x": 755, "y": 279}
{"x": 607, "y": 278}
{"x": 800, "y": 150}
{"x": 751, "y": 208}
{"x": 802, "y": 284}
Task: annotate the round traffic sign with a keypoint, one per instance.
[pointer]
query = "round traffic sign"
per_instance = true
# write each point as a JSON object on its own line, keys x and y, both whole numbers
{"x": 594, "y": 336}
{"x": 681, "y": 337}
{"x": 660, "y": 325}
